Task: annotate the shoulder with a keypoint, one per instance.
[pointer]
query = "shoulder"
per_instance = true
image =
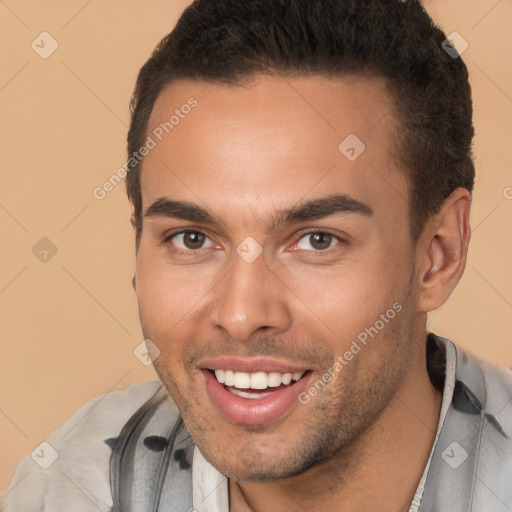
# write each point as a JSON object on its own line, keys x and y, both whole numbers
{"x": 483, "y": 391}
{"x": 491, "y": 384}
{"x": 498, "y": 382}
{"x": 72, "y": 466}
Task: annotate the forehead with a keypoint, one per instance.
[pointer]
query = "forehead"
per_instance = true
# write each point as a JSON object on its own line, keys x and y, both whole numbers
{"x": 272, "y": 142}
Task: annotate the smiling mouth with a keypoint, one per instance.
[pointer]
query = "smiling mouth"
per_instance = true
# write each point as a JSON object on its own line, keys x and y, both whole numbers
{"x": 256, "y": 397}
{"x": 255, "y": 385}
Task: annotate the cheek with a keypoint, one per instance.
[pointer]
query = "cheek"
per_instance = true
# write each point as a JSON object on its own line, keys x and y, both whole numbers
{"x": 166, "y": 293}
{"x": 346, "y": 298}
{"x": 154, "y": 293}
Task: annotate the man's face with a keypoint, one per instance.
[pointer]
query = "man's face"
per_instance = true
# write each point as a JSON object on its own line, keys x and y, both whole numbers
{"x": 266, "y": 252}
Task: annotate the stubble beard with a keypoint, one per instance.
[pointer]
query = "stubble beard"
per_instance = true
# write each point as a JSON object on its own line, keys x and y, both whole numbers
{"x": 336, "y": 422}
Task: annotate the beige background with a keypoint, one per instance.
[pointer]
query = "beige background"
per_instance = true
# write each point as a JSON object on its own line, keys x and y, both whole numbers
{"x": 69, "y": 325}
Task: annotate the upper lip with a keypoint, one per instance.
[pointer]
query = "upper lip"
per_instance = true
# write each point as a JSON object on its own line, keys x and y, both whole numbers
{"x": 250, "y": 365}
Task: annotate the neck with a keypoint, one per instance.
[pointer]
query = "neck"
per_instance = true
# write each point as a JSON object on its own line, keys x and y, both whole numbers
{"x": 382, "y": 467}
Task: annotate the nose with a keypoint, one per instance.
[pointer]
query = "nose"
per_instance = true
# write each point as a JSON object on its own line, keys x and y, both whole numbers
{"x": 250, "y": 300}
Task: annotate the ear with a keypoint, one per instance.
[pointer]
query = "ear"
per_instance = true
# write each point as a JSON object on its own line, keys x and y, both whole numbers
{"x": 442, "y": 250}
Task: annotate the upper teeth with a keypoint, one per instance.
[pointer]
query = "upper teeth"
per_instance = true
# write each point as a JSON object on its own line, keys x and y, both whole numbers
{"x": 258, "y": 380}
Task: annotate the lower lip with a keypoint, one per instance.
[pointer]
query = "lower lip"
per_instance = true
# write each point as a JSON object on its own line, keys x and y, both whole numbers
{"x": 254, "y": 411}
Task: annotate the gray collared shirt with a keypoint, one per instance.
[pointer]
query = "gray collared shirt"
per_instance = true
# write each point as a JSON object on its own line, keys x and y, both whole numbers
{"x": 129, "y": 451}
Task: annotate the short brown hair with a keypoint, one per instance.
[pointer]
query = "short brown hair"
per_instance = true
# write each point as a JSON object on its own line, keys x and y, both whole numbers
{"x": 227, "y": 41}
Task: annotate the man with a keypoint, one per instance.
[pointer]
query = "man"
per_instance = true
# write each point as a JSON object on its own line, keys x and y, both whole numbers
{"x": 301, "y": 178}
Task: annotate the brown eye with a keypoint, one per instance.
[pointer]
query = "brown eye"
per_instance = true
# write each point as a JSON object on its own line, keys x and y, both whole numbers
{"x": 317, "y": 241}
{"x": 193, "y": 240}
{"x": 189, "y": 240}
{"x": 321, "y": 241}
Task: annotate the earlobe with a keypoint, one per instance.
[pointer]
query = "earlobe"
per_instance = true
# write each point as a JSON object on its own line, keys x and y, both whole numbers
{"x": 442, "y": 251}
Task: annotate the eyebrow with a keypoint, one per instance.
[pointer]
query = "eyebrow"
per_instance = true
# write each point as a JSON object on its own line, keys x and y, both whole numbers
{"x": 165, "y": 207}
{"x": 333, "y": 204}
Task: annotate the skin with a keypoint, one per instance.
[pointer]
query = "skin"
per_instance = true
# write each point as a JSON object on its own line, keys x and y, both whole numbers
{"x": 245, "y": 153}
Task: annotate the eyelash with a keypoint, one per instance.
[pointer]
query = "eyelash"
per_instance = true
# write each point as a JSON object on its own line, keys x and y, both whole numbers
{"x": 191, "y": 252}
